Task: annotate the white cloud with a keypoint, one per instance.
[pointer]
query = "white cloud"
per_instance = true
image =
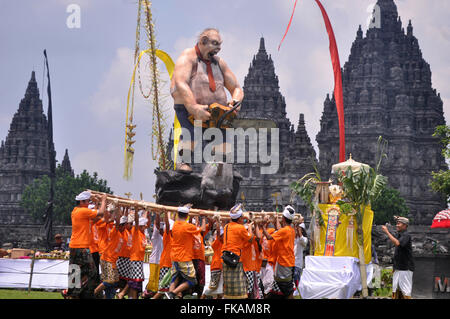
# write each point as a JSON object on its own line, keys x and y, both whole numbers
{"x": 110, "y": 97}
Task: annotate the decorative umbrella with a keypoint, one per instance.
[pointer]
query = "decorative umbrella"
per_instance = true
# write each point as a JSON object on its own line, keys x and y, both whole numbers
{"x": 356, "y": 166}
{"x": 442, "y": 219}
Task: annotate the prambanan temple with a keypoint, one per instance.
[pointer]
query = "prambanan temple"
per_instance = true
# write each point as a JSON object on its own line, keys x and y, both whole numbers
{"x": 387, "y": 92}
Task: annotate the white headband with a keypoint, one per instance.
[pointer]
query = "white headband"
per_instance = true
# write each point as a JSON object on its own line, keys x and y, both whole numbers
{"x": 287, "y": 213}
{"x": 183, "y": 209}
{"x": 83, "y": 196}
{"x": 143, "y": 221}
{"x": 236, "y": 211}
{"x": 123, "y": 219}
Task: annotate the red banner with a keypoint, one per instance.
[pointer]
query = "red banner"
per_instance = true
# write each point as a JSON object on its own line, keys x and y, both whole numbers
{"x": 338, "y": 94}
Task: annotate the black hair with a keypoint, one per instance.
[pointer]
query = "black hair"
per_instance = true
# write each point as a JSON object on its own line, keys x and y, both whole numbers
{"x": 304, "y": 233}
{"x": 287, "y": 220}
{"x": 182, "y": 215}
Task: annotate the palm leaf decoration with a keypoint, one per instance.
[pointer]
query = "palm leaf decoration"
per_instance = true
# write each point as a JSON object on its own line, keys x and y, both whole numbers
{"x": 361, "y": 188}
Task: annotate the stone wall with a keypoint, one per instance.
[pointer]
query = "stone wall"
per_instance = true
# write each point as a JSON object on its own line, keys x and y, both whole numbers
{"x": 425, "y": 241}
{"x": 29, "y": 236}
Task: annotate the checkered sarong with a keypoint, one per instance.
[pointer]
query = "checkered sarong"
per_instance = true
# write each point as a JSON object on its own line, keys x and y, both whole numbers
{"x": 162, "y": 273}
{"x": 123, "y": 267}
{"x": 254, "y": 284}
{"x": 136, "y": 270}
{"x": 234, "y": 282}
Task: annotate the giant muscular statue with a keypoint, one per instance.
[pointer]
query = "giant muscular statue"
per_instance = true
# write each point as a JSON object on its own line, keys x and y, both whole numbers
{"x": 200, "y": 78}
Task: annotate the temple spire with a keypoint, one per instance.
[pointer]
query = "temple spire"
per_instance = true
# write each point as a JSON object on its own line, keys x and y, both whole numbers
{"x": 65, "y": 164}
{"x": 262, "y": 46}
{"x": 410, "y": 29}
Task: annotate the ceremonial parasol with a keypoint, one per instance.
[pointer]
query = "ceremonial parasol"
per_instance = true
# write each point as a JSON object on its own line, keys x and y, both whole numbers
{"x": 355, "y": 166}
{"x": 442, "y": 219}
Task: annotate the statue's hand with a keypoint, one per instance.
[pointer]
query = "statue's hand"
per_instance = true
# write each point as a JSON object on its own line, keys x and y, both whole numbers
{"x": 201, "y": 113}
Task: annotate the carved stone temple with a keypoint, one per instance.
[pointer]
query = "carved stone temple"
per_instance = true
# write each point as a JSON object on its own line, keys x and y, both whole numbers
{"x": 24, "y": 156}
{"x": 263, "y": 100}
{"x": 388, "y": 92}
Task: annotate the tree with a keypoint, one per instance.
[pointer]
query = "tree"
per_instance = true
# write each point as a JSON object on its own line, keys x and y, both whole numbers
{"x": 388, "y": 204}
{"x": 440, "y": 181}
{"x": 35, "y": 196}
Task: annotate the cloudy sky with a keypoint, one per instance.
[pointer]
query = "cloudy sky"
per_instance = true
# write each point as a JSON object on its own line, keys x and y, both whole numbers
{"x": 91, "y": 65}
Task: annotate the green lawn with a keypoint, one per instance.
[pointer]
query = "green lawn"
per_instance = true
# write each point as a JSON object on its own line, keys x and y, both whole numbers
{"x": 23, "y": 294}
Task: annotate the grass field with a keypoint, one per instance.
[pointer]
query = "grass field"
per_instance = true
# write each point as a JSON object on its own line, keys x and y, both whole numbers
{"x": 33, "y": 294}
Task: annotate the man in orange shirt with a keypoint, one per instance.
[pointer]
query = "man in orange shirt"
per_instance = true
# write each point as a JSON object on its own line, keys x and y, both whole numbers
{"x": 199, "y": 258}
{"x": 137, "y": 254}
{"x": 251, "y": 262}
{"x": 82, "y": 273}
{"x": 93, "y": 247}
{"x": 283, "y": 238}
{"x": 108, "y": 259}
{"x": 216, "y": 280}
{"x": 266, "y": 272}
{"x": 123, "y": 261}
{"x": 236, "y": 237}
{"x": 183, "y": 271}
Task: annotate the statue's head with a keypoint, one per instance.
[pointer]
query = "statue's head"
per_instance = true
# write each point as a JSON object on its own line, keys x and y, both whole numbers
{"x": 209, "y": 43}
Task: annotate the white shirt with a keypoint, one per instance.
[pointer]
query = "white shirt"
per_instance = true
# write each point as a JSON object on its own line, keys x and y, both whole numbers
{"x": 299, "y": 245}
{"x": 157, "y": 246}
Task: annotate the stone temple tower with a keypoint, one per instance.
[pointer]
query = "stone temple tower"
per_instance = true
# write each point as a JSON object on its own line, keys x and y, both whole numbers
{"x": 388, "y": 92}
{"x": 263, "y": 100}
{"x": 24, "y": 155}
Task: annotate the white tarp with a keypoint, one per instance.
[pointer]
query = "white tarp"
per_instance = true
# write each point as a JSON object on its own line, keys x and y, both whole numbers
{"x": 47, "y": 273}
{"x": 331, "y": 277}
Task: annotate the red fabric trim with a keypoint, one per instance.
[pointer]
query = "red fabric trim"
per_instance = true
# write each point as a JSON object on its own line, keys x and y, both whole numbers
{"x": 289, "y": 25}
{"x": 338, "y": 94}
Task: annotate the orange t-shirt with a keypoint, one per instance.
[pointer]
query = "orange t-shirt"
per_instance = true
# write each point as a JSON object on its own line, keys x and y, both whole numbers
{"x": 128, "y": 242}
{"x": 216, "y": 261}
{"x": 235, "y": 237}
{"x": 259, "y": 254}
{"x": 183, "y": 241}
{"x": 284, "y": 242}
{"x": 81, "y": 227}
{"x": 251, "y": 257}
{"x": 269, "y": 252}
{"x": 199, "y": 246}
{"x": 165, "y": 260}
{"x": 103, "y": 230}
{"x": 248, "y": 257}
{"x": 94, "y": 238}
{"x": 114, "y": 245}
{"x": 137, "y": 251}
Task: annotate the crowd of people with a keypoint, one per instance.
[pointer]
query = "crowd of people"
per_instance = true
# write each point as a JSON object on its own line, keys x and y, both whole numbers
{"x": 250, "y": 259}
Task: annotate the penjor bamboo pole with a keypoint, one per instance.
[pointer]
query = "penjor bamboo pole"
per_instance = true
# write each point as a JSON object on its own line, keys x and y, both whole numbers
{"x": 157, "y": 208}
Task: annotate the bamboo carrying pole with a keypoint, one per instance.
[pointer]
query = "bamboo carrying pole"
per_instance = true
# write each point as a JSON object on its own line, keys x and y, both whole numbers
{"x": 157, "y": 208}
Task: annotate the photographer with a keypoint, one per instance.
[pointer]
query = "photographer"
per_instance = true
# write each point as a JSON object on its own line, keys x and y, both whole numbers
{"x": 403, "y": 259}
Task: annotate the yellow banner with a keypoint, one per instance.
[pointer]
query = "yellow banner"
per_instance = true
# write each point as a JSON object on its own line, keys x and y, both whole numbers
{"x": 341, "y": 245}
{"x": 170, "y": 66}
